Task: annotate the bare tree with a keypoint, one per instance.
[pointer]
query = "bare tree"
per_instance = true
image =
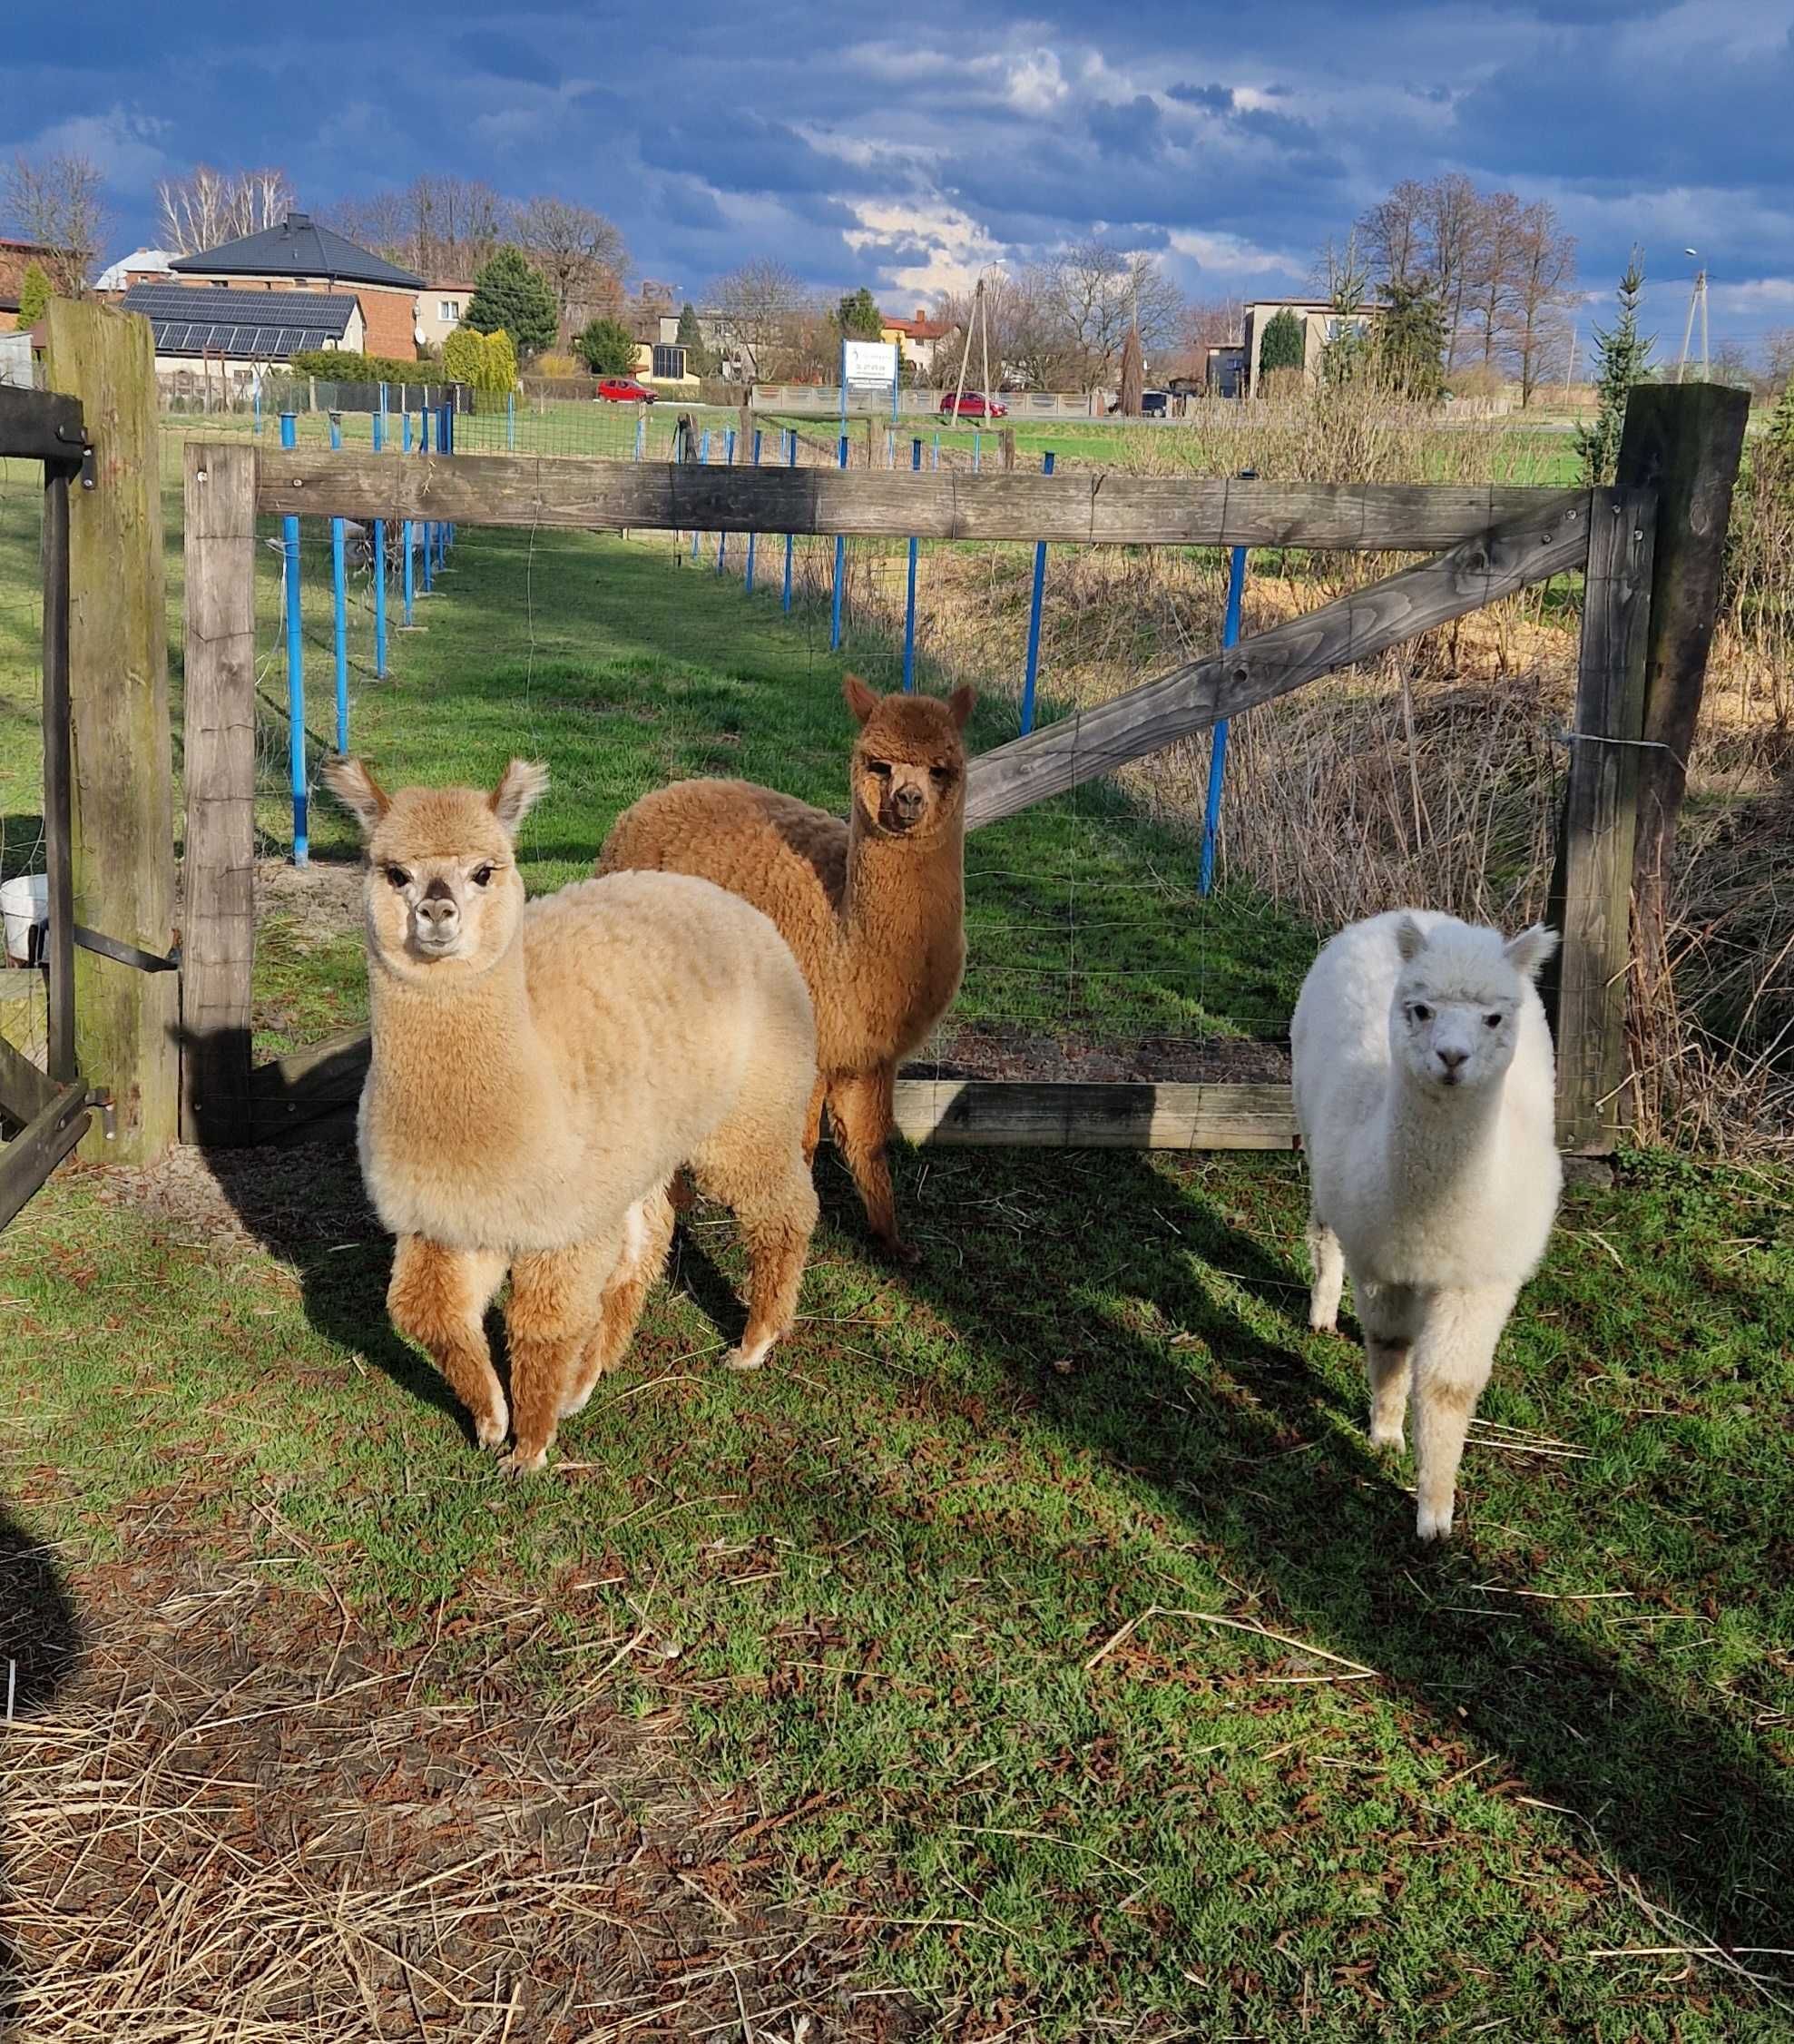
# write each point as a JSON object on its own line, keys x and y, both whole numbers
{"x": 209, "y": 207}
{"x": 1489, "y": 290}
{"x": 1778, "y": 356}
{"x": 1097, "y": 293}
{"x": 572, "y": 247}
{"x": 1391, "y": 236}
{"x": 444, "y": 227}
{"x": 1018, "y": 342}
{"x": 54, "y": 201}
{"x": 1450, "y": 221}
{"x": 756, "y": 307}
{"x": 1544, "y": 277}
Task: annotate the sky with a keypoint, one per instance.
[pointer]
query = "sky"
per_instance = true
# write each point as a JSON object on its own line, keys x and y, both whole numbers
{"x": 907, "y": 148}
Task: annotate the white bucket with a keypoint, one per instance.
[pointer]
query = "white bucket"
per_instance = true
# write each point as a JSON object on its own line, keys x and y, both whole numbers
{"x": 24, "y": 904}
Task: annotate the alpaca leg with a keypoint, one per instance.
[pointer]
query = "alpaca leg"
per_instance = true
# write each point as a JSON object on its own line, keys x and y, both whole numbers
{"x": 555, "y": 1301}
{"x": 1389, "y": 1315}
{"x": 1328, "y": 1263}
{"x": 1454, "y": 1352}
{"x": 774, "y": 1200}
{"x": 438, "y": 1298}
{"x": 860, "y": 1113}
{"x": 647, "y": 1233}
{"x": 813, "y": 1122}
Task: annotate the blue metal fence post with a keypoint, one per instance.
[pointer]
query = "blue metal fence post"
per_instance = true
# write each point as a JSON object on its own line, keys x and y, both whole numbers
{"x": 910, "y": 593}
{"x": 938, "y": 451}
{"x": 1033, "y": 623}
{"x": 704, "y": 461}
{"x": 840, "y": 558}
{"x": 754, "y": 459}
{"x": 340, "y": 604}
{"x": 379, "y": 426}
{"x": 290, "y": 546}
{"x": 1229, "y": 637}
{"x": 722, "y": 537}
{"x": 790, "y": 462}
{"x": 255, "y": 393}
{"x": 510, "y": 422}
{"x": 445, "y": 445}
{"x": 429, "y": 525}
{"x": 408, "y": 536}
{"x": 976, "y": 439}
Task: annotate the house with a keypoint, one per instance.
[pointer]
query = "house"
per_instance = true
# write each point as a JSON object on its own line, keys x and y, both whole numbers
{"x": 16, "y": 259}
{"x": 142, "y": 266}
{"x": 220, "y": 330}
{"x": 919, "y": 338}
{"x": 298, "y": 257}
{"x": 660, "y": 357}
{"x": 442, "y": 305}
{"x": 1317, "y": 318}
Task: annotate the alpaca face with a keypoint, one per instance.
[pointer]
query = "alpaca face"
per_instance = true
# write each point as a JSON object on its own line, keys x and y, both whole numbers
{"x": 443, "y": 895}
{"x": 908, "y": 769}
{"x": 1454, "y": 1022}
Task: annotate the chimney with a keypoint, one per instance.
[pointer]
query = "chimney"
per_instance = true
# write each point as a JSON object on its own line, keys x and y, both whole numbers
{"x": 297, "y": 223}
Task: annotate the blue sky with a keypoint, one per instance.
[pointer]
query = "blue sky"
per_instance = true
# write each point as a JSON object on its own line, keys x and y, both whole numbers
{"x": 906, "y": 147}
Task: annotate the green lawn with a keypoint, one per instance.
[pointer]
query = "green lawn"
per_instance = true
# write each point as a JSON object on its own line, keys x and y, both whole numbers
{"x": 935, "y": 1596}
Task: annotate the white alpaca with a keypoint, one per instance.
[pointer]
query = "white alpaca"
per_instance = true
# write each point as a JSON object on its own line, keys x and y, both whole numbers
{"x": 1426, "y": 1096}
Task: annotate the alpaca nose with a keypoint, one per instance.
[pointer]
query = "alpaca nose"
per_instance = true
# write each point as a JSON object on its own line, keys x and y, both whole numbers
{"x": 437, "y": 911}
{"x": 1452, "y": 1058}
{"x": 907, "y": 804}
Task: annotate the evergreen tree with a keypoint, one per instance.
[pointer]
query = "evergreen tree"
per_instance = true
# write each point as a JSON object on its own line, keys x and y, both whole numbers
{"x": 35, "y": 293}
{"x": 858, "y": 316}
{"x": 691, "y": 340}
{"x": 509, "y": 294}
{"x": 486, "y": 361}
{"x": 1282, "y": 346}
{"x": 1409, "y": 343}
{"x": 607, "y": 348}
{"x": 1780, "y": 434}
{"x": 1625, "y": 357}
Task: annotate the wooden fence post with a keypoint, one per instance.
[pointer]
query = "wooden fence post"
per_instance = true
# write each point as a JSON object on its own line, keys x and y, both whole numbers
{"x": 1600, "y": 820}
{"x": 1684, "y": 441}
{"x": 124, "y": 784}
{"x": 1007, "y": 437}
{"x": 217, "y": 945}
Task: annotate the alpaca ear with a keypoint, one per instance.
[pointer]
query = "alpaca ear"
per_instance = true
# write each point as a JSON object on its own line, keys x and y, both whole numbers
{"x": 1528, "y": 951}
{"x": 519, "y": 787}
{"x": 861, "y": 700}
{"x": 1410, "y": 939}
{"x": 960, "y": 704}
{"x": 356, "y": 789}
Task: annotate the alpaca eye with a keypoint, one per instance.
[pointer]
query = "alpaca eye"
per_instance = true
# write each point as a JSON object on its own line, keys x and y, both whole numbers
{"x": 882, "y": 768}
{"x": 398, "y": 875}
{"x": 1493, "y": 1021}
{"x": 482, "y": 876}
{"x": 942, "y": 777}
{"x": 1421, "y": 1012}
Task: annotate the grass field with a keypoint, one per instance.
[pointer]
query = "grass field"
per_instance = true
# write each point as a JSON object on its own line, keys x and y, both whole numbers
{"x": 1036, "y": 1650}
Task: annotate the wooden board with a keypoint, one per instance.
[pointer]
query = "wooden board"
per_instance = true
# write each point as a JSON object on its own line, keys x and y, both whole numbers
{"x": 1023, "y": 1115}
{"x": 32, "y": 1154}
{"x": 218, "y": 941}
{"x": 40, "y": 426}
{"x": 1084, "y": 507}
{"x": 1552, "y": 536}
{"x": 1600, "y": 817}
{"x": 124, "y": 821}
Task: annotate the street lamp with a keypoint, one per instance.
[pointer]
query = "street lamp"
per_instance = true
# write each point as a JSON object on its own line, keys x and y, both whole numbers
{"x": 1696, "y": 296}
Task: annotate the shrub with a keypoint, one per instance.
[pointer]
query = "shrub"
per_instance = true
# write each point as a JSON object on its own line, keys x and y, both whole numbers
{"x": 337, "y": 365}
{"x": 1282, "y": 346}
{"x": 486, "y": 361}
{"x": 35, "y": 291}
{"x": 607, "y": 348}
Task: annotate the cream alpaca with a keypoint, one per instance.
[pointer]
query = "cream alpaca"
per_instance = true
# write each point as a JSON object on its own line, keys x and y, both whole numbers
{"x": 540, "y": 1072}
{"x": 1426, "y": 1096}
{"x": 874, "y": 908}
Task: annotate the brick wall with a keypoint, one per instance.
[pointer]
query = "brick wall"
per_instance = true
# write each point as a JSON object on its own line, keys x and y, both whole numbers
{"x": 390, "y": 316}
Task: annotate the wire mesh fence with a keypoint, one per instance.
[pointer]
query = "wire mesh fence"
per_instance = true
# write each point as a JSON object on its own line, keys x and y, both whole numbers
{"x": 24, "y": 1019}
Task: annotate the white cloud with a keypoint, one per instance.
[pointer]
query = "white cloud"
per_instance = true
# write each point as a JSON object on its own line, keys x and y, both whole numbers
{"x": 1760, "y": 295}
{"x": 957, "y": 248}
{"x": 1232, "y": 254}
{"x": 1035, "y": 83}
{"x": 123, "y": 146}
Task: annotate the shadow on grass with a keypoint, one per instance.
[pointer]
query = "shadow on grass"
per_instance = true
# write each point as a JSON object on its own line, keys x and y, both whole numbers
{"x": 40, "y": 1648}
{"x": 1267, "y": 1473}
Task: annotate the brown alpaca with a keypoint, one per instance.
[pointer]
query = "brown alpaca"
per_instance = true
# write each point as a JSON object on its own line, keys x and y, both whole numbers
{"x": 540, "y": 1071}
{"x": 873, "y": 909}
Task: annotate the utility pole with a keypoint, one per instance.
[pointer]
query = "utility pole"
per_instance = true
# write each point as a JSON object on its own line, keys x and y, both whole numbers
{"x": 1696, "y": 296}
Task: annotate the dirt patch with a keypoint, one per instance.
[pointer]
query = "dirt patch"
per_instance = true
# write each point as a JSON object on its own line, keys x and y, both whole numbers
{"x": 243, "y": 1813}
{"x": 991, "y": 1051}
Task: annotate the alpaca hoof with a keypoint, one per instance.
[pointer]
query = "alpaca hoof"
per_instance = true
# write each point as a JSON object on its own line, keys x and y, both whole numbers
{"x": 1390, "y": 1438}
{"x": 1328, "y": 1326}
{"x": 897, "y": 1251}
{"x": 749, "y": 1356}
{"x": 491, "y": 1427}
{"x": 1429, "y": 1527}
{"x": 518, "y": 1463}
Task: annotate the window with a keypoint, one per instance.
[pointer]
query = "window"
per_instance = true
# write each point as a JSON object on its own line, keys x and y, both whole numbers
{"x": 669, "y": 363}
{"x": 449, "y": 310}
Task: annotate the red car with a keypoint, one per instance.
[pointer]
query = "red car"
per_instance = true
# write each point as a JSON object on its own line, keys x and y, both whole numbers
{"x": 972, "y": 404}
{"x": 625, "y": 390}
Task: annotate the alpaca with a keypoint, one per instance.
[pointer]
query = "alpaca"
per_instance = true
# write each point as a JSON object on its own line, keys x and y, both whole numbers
{"x": 540, "y": 1072}
{"x": 1426, "y": 1096}
{"x": 874, "y": 908}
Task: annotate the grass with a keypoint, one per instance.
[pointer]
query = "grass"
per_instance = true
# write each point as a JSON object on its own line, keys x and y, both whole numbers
{"x": 924, "y": 1623}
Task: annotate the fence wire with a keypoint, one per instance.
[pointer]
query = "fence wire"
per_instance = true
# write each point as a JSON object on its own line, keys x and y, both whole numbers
{"x": 24, "y": 1018}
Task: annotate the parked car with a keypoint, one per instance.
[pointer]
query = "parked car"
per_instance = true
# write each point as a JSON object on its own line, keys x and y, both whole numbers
{"x": 972, "y": 404}
{"x": 1153, "y": 404}
{"x": 625, "y": 390}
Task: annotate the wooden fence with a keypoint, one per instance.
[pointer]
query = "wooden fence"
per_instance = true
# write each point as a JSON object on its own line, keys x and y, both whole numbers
{"x": 1485, "y": 543}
